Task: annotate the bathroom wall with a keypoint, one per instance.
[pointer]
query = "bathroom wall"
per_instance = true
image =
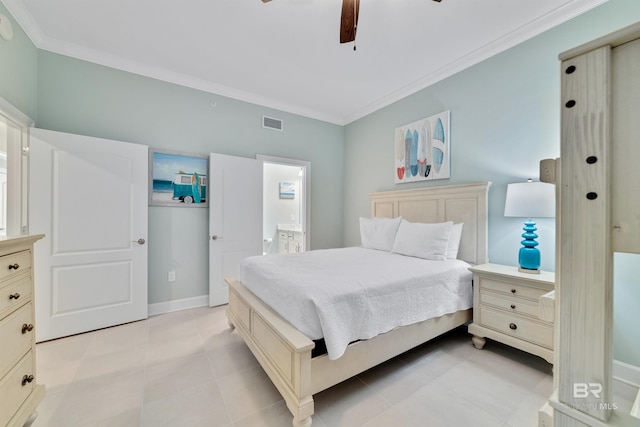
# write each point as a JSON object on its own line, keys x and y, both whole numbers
{"x": 276, "y": 210}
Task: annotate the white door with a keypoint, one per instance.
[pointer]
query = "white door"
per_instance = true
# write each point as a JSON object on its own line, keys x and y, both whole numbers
{"x": 89, "y": 197}
{"x": 235, "y": 219}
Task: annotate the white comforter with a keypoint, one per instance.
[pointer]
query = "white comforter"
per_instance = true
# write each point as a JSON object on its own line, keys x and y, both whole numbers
{"x": 344, "y": 295}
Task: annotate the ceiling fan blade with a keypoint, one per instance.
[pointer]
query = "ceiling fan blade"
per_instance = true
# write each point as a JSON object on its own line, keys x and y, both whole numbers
{"x": 349, "y": 20}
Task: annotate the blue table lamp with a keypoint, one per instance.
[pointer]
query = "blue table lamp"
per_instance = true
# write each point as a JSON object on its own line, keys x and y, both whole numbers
{"x": 530, "y": 200}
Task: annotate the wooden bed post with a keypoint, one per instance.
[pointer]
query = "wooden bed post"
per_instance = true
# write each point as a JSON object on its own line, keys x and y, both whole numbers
{"x": 283, "y": 352}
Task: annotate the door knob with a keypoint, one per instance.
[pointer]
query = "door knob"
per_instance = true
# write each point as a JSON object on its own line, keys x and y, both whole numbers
{"x": 216, "y": 237}
{"x": 140, "y": 241}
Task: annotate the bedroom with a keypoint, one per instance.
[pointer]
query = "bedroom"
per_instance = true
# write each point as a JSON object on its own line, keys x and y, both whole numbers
{"x": 72, "y": 96}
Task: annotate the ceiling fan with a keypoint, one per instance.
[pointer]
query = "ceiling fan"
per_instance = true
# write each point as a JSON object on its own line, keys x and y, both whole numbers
{"x": 349, "y": 20}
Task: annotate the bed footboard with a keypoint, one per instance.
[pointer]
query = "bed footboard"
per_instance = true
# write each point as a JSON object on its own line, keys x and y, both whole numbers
{"x": 283, "y": 352}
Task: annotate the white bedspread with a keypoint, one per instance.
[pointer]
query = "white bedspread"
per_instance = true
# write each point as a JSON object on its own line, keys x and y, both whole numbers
{"x": 344, "y": 295}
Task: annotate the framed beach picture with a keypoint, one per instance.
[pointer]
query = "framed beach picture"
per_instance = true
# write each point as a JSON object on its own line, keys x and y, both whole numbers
{"x": 422, "y": 150}
{"x": 287, "y": 190}
{"x": 178, "y": 179}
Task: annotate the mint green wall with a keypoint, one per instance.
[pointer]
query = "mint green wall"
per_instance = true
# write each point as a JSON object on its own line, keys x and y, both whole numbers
{"x": 18, "y": 69}
{"x": 505, "y": 117}
{"x": 88, "y": 99}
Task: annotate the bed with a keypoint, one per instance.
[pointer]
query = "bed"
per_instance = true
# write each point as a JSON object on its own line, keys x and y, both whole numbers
{"x": 285, "y": 353}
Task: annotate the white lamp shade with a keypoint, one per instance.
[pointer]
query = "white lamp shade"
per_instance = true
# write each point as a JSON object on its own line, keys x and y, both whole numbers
{"x": 530, "y": 200}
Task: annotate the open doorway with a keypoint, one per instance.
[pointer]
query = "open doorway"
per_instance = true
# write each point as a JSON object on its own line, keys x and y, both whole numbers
{"x": 285, "y": 205}
{"x": 13, "y": 170}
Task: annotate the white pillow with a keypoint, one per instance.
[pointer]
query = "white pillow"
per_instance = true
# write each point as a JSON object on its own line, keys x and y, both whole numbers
{"x": 379, "y": 233}
{"x": 428, "y": 241}
{"x": 454, "y": 241}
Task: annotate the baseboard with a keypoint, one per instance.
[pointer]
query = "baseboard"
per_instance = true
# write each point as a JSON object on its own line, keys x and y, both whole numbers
{"x": 626, "y": 373}
{"x": 177, "y": 305}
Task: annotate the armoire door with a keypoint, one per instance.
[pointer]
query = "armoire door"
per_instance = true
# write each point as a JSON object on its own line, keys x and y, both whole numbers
{"x": 89, "y": 197}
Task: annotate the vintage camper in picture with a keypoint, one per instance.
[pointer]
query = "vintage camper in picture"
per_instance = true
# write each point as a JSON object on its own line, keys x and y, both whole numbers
{"x": 190, "y": 188}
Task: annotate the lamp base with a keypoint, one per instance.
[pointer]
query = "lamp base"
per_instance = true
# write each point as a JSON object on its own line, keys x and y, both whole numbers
{"x": 529, "y": 255}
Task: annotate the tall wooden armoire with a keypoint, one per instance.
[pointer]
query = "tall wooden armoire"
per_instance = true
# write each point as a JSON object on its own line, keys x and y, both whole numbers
{"x": 599, "y": 214}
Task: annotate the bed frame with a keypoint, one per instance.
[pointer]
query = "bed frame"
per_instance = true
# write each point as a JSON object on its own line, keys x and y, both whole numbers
{"x": 285, "y": 353}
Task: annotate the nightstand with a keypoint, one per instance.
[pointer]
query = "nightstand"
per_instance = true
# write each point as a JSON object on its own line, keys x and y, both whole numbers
{"x": 512, "y": 307}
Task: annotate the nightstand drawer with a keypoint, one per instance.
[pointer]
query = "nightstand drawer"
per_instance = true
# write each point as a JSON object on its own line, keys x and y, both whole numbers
{"x": 15, "y": 343}
{"x": 512, "y": 289}
{"x": 12, "y": 391}
{"x": 515, "y": 305}
{"x": 517, "y": 326}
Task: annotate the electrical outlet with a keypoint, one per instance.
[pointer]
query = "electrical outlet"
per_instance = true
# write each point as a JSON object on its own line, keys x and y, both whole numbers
{"x": 171, "y": 276}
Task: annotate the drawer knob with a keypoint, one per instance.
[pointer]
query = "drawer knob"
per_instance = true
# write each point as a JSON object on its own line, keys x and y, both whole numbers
{"x": 513, "y": 306}
{"x": 14, "y": 266}
{"x": 27, "y": 379}
{"x": 14, "y": 296}
{"x": 27, "y": 328}
{"x": 513, "y": 291}
{"x": 513, "y": 326}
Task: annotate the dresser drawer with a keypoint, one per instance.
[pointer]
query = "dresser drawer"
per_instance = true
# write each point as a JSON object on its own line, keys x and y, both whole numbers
{"x": 14, "y": 294}
{"x": 517, "y": 326}
{"x": 12, "y": 392}
{"x": 15, "y": 343}
{"x": 512, "y": 289}
{"x": 14, "y": 264}
{"x": 511, "y": 304}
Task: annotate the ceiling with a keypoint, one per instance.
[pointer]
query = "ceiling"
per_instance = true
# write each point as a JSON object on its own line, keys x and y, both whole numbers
{"x": 286, "y": 54}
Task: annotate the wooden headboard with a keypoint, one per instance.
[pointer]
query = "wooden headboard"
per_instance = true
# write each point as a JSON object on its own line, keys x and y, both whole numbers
{"x": 465, "y": 203}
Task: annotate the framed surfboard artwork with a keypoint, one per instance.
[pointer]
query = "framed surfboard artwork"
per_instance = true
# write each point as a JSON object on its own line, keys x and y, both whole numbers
{"x": 422, "y": 150}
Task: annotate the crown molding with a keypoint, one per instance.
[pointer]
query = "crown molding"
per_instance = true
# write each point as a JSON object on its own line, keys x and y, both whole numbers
{"x": 525, "y": 32}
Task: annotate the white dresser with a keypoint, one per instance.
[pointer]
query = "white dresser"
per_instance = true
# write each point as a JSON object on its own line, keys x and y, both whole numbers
{"x": 507, "y": 308}
{"x": 19, "y": 392}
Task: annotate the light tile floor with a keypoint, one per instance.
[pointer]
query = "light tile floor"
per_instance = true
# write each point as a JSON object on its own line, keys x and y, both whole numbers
{"x": 188, "y": 369}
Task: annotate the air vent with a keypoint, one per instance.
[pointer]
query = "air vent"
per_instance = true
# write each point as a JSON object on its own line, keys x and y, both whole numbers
{"x": 271, "y": 123}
